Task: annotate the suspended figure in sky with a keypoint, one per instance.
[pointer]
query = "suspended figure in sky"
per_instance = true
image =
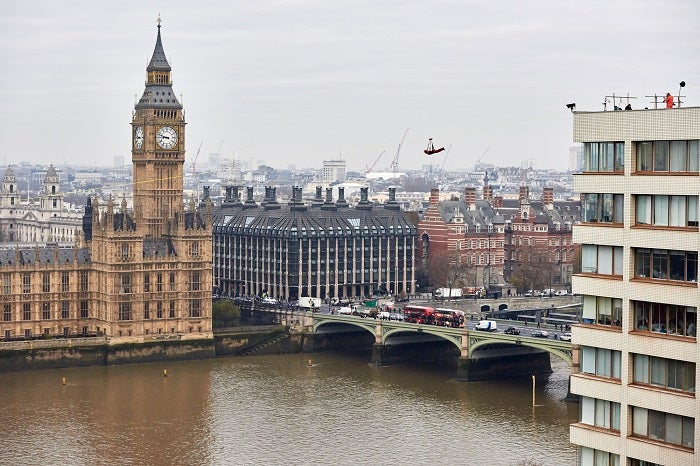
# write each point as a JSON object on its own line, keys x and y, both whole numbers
{"x": 431, "y": 150}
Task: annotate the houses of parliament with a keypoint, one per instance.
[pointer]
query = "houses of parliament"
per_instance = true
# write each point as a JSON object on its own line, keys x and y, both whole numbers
{"x": 131, "y": 274}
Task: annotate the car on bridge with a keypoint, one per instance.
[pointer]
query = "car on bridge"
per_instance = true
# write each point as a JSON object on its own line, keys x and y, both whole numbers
{"x": 511, "y": 331}
{"x": 540, "y": 334}
{"x": 565, "y": 336}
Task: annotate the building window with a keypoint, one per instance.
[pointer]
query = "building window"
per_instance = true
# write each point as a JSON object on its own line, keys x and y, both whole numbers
{"x": 7, "y": 313}
{"x": 604, "y": 157}
{"x": 124, "y": 311}
{"x": 666, "y": 373}
{"x": 665, "y": 318}
{"x": 675, "y": 211}
{"x": 6, "y": 284}
{"x": 636, "y": 462}
{"x": 195, "y": 308}
{"x": 603, "y": 260}
{"x": 591, "y": 457}
{"x": 84, "y": 282}
{"x": 146, "y": 310}
{"x": 46, "y": 283}
{"x": 65, "y": 310}
{"x": 667, "y": 156}
{"x": 172, "y": 281}
{"x": 600, "y": 413}
{"x": 159, "y": 310}
{"x": 602, "y": 311}
{"x": 26, "y": 283}
{"x": 602, "y": 208}
{"x": 84, "y": 313}
{"x": 664, "y": 427}
{"x": 159, "y": 282}
{"x": 172, "y": 309}
{"x": 146, "y": 283}
{"x": 194, "y": 281}
{"x": 195, "y": 249}
{"x": 65, "y": 282}
{"x": 661, "y": 264}
{"x": 125, "y": 251}
{"x": 601, "y": 362}
{"x": 46, "y": 311}
{"x": 124, "y": 284}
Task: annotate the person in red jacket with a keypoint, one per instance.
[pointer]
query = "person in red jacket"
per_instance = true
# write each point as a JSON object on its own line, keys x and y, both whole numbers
{"x": 669, "y": 100}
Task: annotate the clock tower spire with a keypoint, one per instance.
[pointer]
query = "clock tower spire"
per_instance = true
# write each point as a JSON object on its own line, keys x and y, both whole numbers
{"x": 158, "y": 146}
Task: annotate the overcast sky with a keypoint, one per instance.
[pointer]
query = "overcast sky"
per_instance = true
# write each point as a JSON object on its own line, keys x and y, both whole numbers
{"x": 300, "y": 81}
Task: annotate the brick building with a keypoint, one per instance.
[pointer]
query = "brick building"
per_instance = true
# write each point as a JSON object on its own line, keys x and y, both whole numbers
{"x": 495, "y": 237}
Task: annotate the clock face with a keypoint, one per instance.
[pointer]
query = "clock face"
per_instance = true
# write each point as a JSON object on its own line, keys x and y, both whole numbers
{"x": 138, "y": 137}
{"x": 166, "y": 137}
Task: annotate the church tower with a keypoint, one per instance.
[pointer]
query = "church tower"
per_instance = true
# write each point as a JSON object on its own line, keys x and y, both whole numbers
{"x": 50, "y": 195}
{"x": 158, "y": 146}
{"x": 8, "y": 195}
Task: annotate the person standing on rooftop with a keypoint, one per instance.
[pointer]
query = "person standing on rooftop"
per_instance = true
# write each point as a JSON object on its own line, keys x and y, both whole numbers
{"x": 668, "y": 100}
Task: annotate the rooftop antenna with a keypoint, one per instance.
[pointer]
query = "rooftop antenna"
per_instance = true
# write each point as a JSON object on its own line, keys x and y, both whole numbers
{"x": 682, "y": 85}
{"x": 615, "y": 101}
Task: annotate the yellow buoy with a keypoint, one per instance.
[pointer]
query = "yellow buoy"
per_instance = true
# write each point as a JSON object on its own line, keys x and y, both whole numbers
{"x": 165, "y": 372}
{"x": 309, "y": 363}
{"x": 63, "y": 381}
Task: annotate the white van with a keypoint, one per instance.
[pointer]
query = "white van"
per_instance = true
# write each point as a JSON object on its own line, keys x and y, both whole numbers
{"x": 486, "y": 326}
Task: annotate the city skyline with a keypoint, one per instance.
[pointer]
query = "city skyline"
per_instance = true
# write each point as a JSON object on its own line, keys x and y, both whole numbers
{"x": 302, "y": 82}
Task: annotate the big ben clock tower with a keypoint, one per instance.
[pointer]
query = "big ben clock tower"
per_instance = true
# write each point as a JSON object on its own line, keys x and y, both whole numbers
{"x": 158, "y": 146}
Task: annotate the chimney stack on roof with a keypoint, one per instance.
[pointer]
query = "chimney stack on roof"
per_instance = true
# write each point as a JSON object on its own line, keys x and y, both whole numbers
{"x": 524, "y": 195}
{"x": 434, "y": 196}
{"x": 470, "y": 197}
{"x": 488, "y": 194}
{"x": 548, "y": 198}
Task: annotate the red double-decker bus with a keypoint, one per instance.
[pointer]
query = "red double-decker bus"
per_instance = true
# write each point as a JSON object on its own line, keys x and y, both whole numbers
{"x": 418, "y": 314}
{"x": 449, "y": 317}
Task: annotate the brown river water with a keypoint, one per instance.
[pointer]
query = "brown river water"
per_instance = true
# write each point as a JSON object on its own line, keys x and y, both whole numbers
{"x": 279, "y": 410}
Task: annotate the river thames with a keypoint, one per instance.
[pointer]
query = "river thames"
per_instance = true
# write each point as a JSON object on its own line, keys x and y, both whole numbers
{"x": 279, "y": 410}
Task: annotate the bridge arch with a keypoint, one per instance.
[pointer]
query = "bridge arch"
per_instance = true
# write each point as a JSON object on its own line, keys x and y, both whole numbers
{"x": 455, "y": 339}
{"x": 562, "y": 353}
{"x": 370, "y": 327}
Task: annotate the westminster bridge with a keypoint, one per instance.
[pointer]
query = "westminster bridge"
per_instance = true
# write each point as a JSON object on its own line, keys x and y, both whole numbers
{"x": 482, "y": 355}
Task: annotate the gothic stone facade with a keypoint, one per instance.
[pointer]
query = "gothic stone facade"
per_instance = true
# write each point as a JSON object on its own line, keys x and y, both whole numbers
{"x": 133, "y": 274}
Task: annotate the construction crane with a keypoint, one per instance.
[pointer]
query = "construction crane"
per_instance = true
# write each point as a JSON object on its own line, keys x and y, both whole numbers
{"x": 477, "y": 165}
{"x": 449, "y": 148}
{"x": 395, "y": 163}
{"x": 371, "y": 167}
{"x": 193, "y": 168}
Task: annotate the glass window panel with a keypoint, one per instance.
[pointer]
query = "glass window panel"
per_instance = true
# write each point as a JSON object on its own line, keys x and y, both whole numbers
{"x": 692, "y": 156}
{"x": 588, "y": 360}
{"x": 657, "y": 425}
{"x": 639, "y": 421}
{"x": 691, "y": 321}
{"x": 677, "y": 211}
{"x": 678, "y": 156}
{"x": 692, "y": 211}
{"x": 661, "y": 210}
{"x": 617, "y": 260}
{"x": 658, "y": 318}
{"x": 588, "y": 410}
{"x": 617, "y": 312}
{"x": 659, "y": 263}
{"x": 644, "y": 156}
{"x": 641, "y": 315}
{"x": 602, "y": 363}
{"x": 688, "y": 431}
{"x": 674, "y": 428}
{"x": 587, "y": 456}
{"x": 642, "y": 263}
{"x": 691, "y": 266}
{"x": 589, "y": 256}
{"x": 644, "y": 210}
{"x": 661, "y": 156}
{"x": 605, "y": 260}
{"x": 590, "y": 207}
{"x": 606, "y": 214}
{"x": 589, "y": 308}
{"x": 604, "y": 310}
{"x": 615, "y": 421}
{"x": 677, "y": 265}
{"x": 619, "y": 156}
{"x": 689, "y": 377}
{"x": 607, "y": 156}
{"x": 658, "y": 372}
{"x": 675, "y": 374}
{"x": 616, "y": 364}
{"x": 590, "y": 157}
{"x": 641, "y": 368}
{"x": 618, "y": 208}
{"x": 602, "y": 413}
